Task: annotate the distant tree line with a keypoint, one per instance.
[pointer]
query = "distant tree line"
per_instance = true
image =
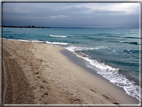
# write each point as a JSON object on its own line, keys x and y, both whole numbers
{"x": 24, "y": 27}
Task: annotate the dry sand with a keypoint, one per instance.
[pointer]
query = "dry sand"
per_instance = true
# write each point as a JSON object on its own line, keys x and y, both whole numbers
{"x": 36, "y": 73}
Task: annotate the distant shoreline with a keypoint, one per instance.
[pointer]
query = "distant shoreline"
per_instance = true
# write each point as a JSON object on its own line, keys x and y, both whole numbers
{"x": 23, "y": 27}
{"x": 70, "y": 27}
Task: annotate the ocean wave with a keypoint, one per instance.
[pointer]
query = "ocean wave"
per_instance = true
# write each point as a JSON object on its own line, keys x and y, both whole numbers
{"x": 110, "y": 73}
{"x": 57, "y": 43}
{"x": 79, "y": 48}
{"x": 105, "y": 49}
{"x": 58, "y": 36}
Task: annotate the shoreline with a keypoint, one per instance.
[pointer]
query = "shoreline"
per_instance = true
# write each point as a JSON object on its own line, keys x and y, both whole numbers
{"x": 67, "y": 81}
{"x": 80, "y": 62}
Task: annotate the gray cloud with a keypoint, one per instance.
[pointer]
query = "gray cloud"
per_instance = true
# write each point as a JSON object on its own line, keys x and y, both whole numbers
{"x": 70, "y": 14}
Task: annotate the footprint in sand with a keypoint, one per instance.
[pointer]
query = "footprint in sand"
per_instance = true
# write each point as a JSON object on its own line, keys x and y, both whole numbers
{"x": 93, "y": 90}
{"x": 36, "y": 73}
{"x": 115, "y": 103}
{"x": 110, "y": 99}
{"x": 106, "y": 97}
{"x": 46, "y": 93}
{"x": 41, "y": 86}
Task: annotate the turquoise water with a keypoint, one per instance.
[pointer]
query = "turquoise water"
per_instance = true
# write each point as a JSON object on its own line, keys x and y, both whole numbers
{"x": 112, "y": 53}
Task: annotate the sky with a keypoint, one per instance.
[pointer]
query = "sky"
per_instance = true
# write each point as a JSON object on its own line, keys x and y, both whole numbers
{"x": 100, "y": 15}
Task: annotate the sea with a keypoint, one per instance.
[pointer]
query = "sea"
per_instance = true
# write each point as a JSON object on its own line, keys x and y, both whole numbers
{"x": 112, "y": 53}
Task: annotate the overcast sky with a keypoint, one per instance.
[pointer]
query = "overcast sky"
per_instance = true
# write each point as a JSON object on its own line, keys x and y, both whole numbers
{"x": 72, "y": 14}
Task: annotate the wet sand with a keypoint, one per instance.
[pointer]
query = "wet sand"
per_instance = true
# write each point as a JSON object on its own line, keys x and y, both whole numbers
{"x": 36, "y": 73}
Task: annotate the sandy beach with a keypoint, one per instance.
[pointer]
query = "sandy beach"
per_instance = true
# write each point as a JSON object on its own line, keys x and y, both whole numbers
{"x": 35, "y": 73}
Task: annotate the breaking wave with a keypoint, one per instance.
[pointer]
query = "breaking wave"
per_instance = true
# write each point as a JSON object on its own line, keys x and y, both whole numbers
{"x": 110, "y": 73}
{"x": 58, "y": 36}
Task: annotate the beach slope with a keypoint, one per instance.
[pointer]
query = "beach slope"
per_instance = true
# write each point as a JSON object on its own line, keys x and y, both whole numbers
{"x": 35, "y": 73}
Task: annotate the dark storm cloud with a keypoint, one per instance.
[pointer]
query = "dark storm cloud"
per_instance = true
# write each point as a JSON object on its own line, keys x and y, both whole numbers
{"x": 71, "y": 14}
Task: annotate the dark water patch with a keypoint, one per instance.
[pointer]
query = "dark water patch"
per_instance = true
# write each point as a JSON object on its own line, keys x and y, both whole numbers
{"x": 95, "y": 38}
{"x": 136, "y": 43}
{"x": 132, "y": 37}
{"x": 130, "y": 51}
{"x": 11, "y": 37}
{"x": 133, "y": 43}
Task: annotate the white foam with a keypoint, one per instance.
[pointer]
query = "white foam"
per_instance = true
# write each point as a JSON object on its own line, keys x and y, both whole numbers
{"x": 37, "y": 41}
{"x": 58, "y": 36}
{"x": 56, "y": 43}
{"x": 20, "y": 40}
{"x": 79, "y": 48}
{"x": 109, "y": 72}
